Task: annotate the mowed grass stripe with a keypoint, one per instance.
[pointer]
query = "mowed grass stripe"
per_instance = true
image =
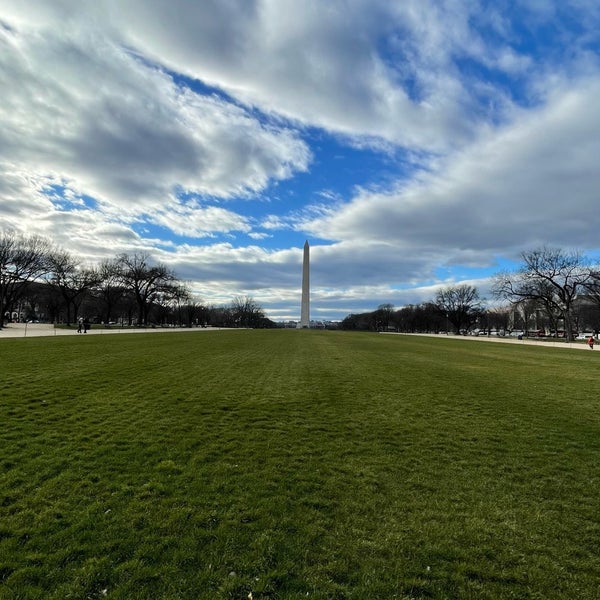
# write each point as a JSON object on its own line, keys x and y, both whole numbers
{"x": 295, "y": 463}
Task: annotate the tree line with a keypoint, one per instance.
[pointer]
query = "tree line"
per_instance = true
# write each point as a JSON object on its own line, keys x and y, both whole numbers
{"x": 553, "y": 292}
{"x": 40, "y": 281}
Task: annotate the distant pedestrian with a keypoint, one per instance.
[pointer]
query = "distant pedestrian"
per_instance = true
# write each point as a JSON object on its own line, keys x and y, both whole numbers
{"x": 80, "y": 325}
{"x": 591, "y": 342}
{"x": 86, "y": 325}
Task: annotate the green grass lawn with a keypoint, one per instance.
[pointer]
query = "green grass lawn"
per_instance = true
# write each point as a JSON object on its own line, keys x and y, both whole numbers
{"x": 297, "y": 464}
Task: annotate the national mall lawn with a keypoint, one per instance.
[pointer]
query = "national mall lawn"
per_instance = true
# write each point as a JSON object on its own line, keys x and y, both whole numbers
{"x": 289, "y": 464}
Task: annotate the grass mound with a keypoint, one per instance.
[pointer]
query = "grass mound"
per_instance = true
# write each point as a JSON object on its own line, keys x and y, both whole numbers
{"x": 294, "y": 464}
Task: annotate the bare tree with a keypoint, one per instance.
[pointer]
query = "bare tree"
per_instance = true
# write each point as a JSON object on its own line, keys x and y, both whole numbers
{"x": 525, "y": 309}
{"x": 221, "y": 316}
{"x": 22, "y": 260}
{"x": 592, "y": 287}
{"x": 423, "y": 317}
{"x": 168, "y": 302}
{"x": 549, "y": 276}
{"x": 71, "y": 280}
{"x": 383, "y": 316}
{"x": 460, "y": 304}
{"x": 145, "y": 280}
{"x": 194, "y": 311}
{"x": 246, "y": 312}
{"x": 180, "y": 297}
{"x": 109, "y": 289}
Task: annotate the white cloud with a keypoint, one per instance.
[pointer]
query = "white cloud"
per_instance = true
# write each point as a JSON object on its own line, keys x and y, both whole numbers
{"x": 190, "y": 221}
{"x": 109, "y": 125}
{"x": 313, "y": 62}
{"x": 257, "y": 235}
{"x": 123, "y": 132}
{"x": 531, "y": 181}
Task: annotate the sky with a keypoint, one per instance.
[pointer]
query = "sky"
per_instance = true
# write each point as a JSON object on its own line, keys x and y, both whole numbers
{"x": 415, "y": 144}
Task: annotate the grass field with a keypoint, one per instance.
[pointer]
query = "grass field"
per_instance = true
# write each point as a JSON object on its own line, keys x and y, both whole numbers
{"x": 297, "y": 464}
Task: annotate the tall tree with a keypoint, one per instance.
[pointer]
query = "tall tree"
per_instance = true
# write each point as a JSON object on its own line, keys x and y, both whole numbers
{"x": 71, "y": 280}
{"x": 167, "y": 303}
{"x": 552, "y": 278}
{"x": 180, "y": 297}
{"x": 109, "y": 289}
{"x": 22, "y": 260}
{"x": 146, "y": 281}
{"x": 460, "y": 304}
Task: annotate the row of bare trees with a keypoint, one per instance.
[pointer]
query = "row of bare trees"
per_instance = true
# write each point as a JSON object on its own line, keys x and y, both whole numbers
{"x": 35, "y": 273}
{"x": 553, "y": 281}
{"x": 561, "y": 286}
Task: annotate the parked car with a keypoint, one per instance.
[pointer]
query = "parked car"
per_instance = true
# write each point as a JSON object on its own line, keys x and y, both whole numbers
{"x": 585, "y": 335}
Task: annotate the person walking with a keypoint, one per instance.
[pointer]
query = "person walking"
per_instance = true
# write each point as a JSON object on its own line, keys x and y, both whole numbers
{"x": 79, "y": 324}
{"x": 591, "y": 342}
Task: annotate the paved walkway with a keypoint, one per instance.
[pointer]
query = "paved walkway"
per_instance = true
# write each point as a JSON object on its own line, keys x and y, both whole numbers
{"x": 19, "y": 330}
{"x": 580, "y": 345}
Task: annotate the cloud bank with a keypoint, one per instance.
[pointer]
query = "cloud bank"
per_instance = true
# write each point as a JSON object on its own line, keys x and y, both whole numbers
{"x": 410, "y": 142}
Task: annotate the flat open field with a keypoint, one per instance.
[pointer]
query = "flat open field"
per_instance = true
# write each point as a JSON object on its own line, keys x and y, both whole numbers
{"x": 297, "y": 464}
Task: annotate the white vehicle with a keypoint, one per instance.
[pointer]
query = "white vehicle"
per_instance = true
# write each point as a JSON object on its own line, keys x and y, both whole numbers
{"x": 585, "y": 335}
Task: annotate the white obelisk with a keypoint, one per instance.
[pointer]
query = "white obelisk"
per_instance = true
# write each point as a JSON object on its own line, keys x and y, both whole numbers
{"x": 305, "y": 306}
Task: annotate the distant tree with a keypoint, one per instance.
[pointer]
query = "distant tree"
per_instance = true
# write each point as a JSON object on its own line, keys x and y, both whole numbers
{"x": 383, "y": 316}
{"x": 49, "y": 301}
{"x": 221, "y": 316}
{"x": 179, "y": 298}
{"x": 246, "y": 312}
{"x": 109, "y": 289}
{"x": 497, "y": 318}
{"x": 424, "y": 317}
{"x": 409, "y": 319}
{"x": 351, "y": 322}
{"x": 34, "y": 301}
{"x": 146, "y": 281}
{"x": 167, "y": 304}
{"x": 460, "y": 305}
{"x": 71, "y": 280}
{"x": 368, "y": 321}
{"x": 22, "y": 260}
{"x": 524, "y": 311}
{"x": 550, "y": 277}
{"x": 592, "y": 291}
{"x": 406, "y": 319}
{"x": 194, "y": 312}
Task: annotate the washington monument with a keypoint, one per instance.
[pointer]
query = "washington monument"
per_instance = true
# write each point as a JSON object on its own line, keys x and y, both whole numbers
{"x": 305, "y": 306}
